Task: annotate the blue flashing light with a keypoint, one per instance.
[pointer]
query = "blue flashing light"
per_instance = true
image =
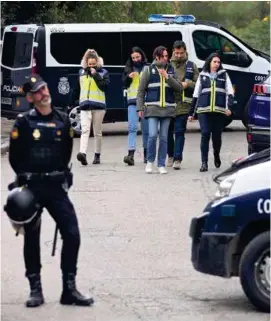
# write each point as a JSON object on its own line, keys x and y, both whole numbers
{"x": 161, "y": 18}
{"x": 184, "y": 19}
{"x": 171, "y": 18}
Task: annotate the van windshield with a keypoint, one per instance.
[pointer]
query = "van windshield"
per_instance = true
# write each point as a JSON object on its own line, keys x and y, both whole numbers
{"x": 17, "y": 49}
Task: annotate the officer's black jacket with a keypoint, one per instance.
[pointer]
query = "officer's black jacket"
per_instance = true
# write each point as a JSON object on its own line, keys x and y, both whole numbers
{"x": 40, "y": 144}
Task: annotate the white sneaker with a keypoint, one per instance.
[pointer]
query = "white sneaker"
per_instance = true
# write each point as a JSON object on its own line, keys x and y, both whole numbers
{"x": 162, "y": 170}
{"x": 170, "y": 162}
{"x": 148, "y": 168}
{"x": 177, "y": 164}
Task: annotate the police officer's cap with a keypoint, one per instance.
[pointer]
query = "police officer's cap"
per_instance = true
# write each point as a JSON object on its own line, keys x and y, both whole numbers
{"x": 21, "y": 206}
{"x": 33, "y": 83}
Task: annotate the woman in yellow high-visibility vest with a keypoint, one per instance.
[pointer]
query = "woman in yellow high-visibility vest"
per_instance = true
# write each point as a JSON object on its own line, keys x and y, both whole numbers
{"x": 94, "y": 80}
{"x": 131, "y": 76}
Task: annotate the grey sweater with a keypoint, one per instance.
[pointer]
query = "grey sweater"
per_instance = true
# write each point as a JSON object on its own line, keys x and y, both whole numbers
{"x": 156, "y": 110}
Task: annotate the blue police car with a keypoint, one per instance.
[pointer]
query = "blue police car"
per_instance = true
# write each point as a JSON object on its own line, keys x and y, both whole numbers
{"x": 231, "y": 238}
{"x": 258, "y": 130}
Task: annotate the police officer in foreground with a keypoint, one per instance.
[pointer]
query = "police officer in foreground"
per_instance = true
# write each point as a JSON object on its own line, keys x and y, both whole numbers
{"x": 41, "y": 144}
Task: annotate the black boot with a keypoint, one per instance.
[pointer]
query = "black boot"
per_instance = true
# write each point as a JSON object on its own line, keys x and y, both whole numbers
{"x": 145, "y": 155}
{"x": 96, "y": 159}
{"x": 36, "y": 297}
{"x": 70, "y": 295}
{"x": 81, "y": 157}
{"x": 204, "y": 167}
{"x": 129, "y": 159}
{"x": 217, "y": 160}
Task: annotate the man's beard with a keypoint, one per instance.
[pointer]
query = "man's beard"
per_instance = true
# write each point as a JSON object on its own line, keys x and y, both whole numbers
{"x": 45, "y": 102}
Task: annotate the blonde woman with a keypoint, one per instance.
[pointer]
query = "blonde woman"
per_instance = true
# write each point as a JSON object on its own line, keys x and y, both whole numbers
{"x": 93, "y": 79}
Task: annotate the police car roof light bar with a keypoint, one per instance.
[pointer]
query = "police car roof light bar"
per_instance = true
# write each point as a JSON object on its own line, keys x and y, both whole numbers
{"x": 171, "y": 18}
{"x": 184, "y": 19}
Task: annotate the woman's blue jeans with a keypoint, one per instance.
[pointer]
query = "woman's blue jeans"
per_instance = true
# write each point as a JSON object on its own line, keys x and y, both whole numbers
{"x": 132, "y": 128}
{"x": 163, "y": 135}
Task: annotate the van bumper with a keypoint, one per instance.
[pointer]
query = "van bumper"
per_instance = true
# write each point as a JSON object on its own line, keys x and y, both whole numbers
{"x": 210, "y": 251}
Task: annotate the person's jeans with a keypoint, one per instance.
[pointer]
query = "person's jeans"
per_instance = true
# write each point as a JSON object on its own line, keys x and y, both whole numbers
{"x": 145, "y": 132}
{"x": 179, "y": 131}
{"x": 210, "y": 123}
{"x": 170, "y": 139}
{"x": 153, "y": 134}
{"x": 132, "y": 128}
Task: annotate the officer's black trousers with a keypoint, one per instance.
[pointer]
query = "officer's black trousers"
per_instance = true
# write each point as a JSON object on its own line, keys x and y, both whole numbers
{"x": 59, "y": 206}
{"x": 211, "y": 123}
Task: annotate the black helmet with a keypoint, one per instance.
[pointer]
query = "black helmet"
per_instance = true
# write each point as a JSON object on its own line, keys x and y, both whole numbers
{"x": 21, "y": 206}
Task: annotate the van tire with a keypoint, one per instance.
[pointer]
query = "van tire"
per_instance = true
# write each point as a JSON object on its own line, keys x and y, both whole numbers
{"x": 77, "y": 126}
{"x": 250, "y": 149}
{"x": 253, "y": 271}
{"x": 245, "y": 116}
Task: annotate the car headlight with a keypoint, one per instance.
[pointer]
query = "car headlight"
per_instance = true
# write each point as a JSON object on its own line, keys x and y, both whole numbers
{"x": 225, "y": 186}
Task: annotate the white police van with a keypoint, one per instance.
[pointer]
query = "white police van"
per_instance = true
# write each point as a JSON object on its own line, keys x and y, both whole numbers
{"x": 55, "y": 52}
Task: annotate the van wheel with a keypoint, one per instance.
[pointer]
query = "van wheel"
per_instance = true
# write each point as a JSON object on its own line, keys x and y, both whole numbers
{"x": 75, "y": 120}
{"x": 245, "y": 116}
{"x": 254, "y": 271}
{"x": 250, "y": 149}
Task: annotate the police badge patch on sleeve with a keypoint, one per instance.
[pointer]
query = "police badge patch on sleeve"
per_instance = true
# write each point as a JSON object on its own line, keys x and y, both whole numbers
{"x": 14, "y": 133}
{"x": 63, "y": 86}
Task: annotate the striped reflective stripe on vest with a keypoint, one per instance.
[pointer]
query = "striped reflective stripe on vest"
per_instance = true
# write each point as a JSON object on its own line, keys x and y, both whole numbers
{"x": 90, "y": 91}
{"x": 189, "y": 71}
{"x": 132, "y": 90}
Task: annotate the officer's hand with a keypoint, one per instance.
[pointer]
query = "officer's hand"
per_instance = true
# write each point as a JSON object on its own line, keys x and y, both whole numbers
{"x": 141, "y": 114}
{"x": 190, "y": 118}
{"x": 132, "y": 74}
{"x": 93, "y": 71}
{"x": 163, "y": 73}
{"x": 228, "y": 112}
{"x": 184, "y": 84}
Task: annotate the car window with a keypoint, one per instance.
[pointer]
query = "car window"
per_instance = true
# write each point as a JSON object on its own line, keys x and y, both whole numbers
{"x": 65, "y": 53}
{"x": 207, "y": 42}
{"x": 148, "y": 41}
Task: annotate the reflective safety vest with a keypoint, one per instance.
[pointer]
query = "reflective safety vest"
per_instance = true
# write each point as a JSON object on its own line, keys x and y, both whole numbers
{"x": 132, "y": 90}
{"x": 187, "y": 94}
{"x": 159, "y": 93}
{"x": 90, "y": 94}
{"x": 212, "y": 97}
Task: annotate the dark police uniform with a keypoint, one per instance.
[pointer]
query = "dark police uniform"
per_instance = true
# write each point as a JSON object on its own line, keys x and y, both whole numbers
{"x": 40, "y": 151}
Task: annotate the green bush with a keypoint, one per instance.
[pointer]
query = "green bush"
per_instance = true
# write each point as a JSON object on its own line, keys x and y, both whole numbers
{"x": 256, "y": 34}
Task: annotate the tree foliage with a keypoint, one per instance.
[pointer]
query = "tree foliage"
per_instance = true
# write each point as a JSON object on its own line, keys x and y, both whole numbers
{"x": 249, "y": 20}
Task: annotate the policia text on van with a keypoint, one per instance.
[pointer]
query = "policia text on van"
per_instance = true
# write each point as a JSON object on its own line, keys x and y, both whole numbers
{"x": 47, "y": 50}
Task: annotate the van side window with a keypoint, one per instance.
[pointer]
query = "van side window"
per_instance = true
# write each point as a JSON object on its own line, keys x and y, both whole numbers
{"x": 69, "y": 48}
{"x": 17, "y": 49}
{"x": 207, "y": 42}
{"x": 147, "y": 41}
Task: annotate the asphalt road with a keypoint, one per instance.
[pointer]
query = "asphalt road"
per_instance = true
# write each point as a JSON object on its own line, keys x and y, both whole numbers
{"x": 135, "y": 252}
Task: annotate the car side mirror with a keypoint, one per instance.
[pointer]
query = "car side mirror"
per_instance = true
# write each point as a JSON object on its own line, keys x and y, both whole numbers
{"x": 243, "y": 59}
